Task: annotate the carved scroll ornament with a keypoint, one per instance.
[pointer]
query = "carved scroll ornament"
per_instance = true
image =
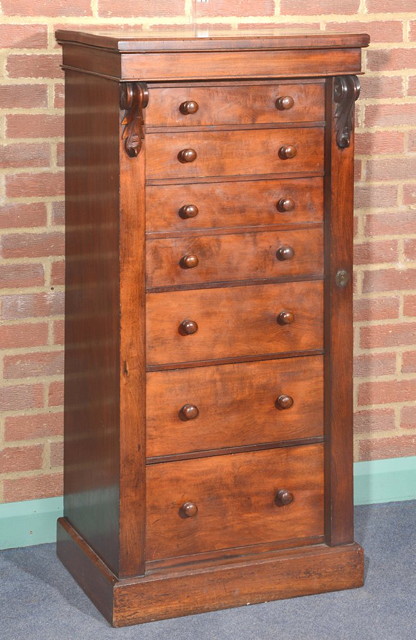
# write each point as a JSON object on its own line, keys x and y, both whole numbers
{"x": 346, "y": 92}
{"x": 134, "y": 98}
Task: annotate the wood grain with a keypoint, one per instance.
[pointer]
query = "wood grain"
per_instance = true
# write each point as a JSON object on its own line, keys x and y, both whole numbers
{"x": 231, "y": 153}
{"x": 235, "y": 497}
{"x": 236, "y": 403}
{"x": 233, "y": 257}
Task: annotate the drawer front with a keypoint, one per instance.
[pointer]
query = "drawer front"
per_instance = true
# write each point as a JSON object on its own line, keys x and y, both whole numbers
{"x": 232, "y": 405}
{"x": 229, "y": 204}
{"x": 234, "y": 321}
{"x": 234, "y": 501}
{"x": 247, "y": 152}
{"x": 218, "y": 258}
{"x": 245, "y": 104}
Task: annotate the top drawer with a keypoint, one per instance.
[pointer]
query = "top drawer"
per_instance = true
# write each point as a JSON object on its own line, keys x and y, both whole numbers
{"x": 242, "y": 104}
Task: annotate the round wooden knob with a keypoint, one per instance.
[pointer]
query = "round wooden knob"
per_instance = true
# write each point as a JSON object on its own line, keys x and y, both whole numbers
{"x": 285, "y": 317}
{"x": 188, "y": 327}
{"x": 285, "y": 204}
{"x": 188, "y": 211}
{"x": 188, "y": 510}
{"x": 284, "y": 402}
{"x": 189, "y": 262}
{"x": 284, "y": 102}
{"x": 285, "y": 253}
{"x": 287, "y": 151}
{"x": 190, "y": 106}
{"x": 187, "y": 155}
{"x": 283, "y": 497}
{"x": 189, "y": 412}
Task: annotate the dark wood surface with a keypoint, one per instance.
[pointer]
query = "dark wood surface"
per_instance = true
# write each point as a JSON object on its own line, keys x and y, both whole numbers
{"x": 231, "y": 204}
{"x": 235, "y": 321}
{"x": 236, "y": 104}
{"x": 233, "y": 501}
{"x": 231, "y": 153}
{"x": 197, "y": 259}
{"x": 242, "y": 412}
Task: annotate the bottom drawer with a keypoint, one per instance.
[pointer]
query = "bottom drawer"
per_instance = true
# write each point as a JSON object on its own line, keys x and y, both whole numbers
{"x": 195, "y": 506}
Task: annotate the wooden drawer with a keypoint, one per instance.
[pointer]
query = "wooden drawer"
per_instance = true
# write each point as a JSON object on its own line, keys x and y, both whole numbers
{"x": 242, "y": 256}
{"x": 235, "y": 496}
{"x": 234, "y": 322}
{"x": 247, "y": 152}
{"x": 233, "y": 405}
{"x": 235, "y": 104}
{"x": 230, "y": 204}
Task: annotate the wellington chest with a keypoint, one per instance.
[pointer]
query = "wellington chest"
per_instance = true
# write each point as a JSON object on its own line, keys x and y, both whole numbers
{"x": 208, "y": 375}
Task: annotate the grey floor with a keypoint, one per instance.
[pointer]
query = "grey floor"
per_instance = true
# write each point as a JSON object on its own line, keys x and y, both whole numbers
{"x": 40, "y": 601}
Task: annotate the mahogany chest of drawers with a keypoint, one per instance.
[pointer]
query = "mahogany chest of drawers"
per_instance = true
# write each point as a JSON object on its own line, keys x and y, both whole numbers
{"x": 208, "y": 402}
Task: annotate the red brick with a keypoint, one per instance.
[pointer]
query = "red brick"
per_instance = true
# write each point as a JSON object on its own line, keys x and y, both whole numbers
{"x": 379, "y": 142}
{"x": 187, "y": 27}
{"x": 60, "y": 154}
{"x": 382, "y": 448}
{"x": 23, "y": 396}
{"x": 391, "y": 335}
{"x": 58, "y": 332}
{"x": 381, "y": 86}
{"x": 58, "y": 272}
{"x": 409, "y": 194}
{"x": 30, "y": 427}
{"x": 408, "y": 418}
{"x": 371, "y": 309}
{"x": 23, "y": 36}
{"x": 58, "y": 213}
{"x": 140, "y": 8}
{"x": 34, "y": 66}
{"x": 367, "y": 421}
{"x": 300, "y": 7}
{"x": 358, "y": 169}
{"x": 24, "y": 96}
{"x": 412, "y": 86}
{"x": 391, "y": 59}
{"x": 35, "y": 185}
{"x": 376, "y": 252}
{"x": 379, "y": 30}
{"x": 383, "y": 224}
{"x": 389, "y": 280}
{"x": 52, "y": 8}
{"x": 380, "y": 364}
{"x": 412, "y": 141}
{"x": 32, "y": 245}
{"x": 56, "y": 394}
{"x": 26, "y": 458}
{"x": 34, "y": 126}
{"x": 57, "y": 454}
{"x": 23, "y": 335}
{"x": 33, "y": 487}
{"x": 241, "y": 8}
{"x": 409, "y": 307}
{"x": 24, "y": 155}
{"x": 386, "y": 392}
{"x": 409, "y": 363}
{"x": 32, "y": 305}
{"x": 284, "y": 26}
{"x": 412, "y": 33}
{"x": 410, "y": 250}
{"x": 390, "y": 115}
{"x": 380, "y": 6}
{"x": 59, "y": 96}
{"x": 368, "y": 195}
{"x": 21, "y": 275}
{"x": 22, "y": 215}
{"x": 31, "y": 365}
{"x": 390, "y": 168}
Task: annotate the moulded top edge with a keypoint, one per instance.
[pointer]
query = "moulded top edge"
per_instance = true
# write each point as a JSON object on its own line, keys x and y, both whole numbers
{"x": 211, "y": 40}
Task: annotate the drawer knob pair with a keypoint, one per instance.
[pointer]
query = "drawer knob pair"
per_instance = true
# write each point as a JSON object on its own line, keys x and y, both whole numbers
{"x": 187, "y": 155}
{"x": 282, "y": 498}
{"x": 287, "y": 151}
{"x": 284, "y": 103}
{"x": 188, "y": 412}
{"x": 189, "y": 106}
{"x": 285, "y": 204}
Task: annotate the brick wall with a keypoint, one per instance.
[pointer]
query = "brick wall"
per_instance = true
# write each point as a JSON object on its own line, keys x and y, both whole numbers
{"x": 32, "y": 215}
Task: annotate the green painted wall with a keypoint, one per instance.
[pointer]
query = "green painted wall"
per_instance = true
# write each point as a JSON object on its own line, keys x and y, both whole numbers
{"x": 34, "y": 521}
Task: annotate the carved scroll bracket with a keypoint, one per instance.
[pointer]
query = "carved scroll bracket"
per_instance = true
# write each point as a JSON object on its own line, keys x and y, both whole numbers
{"x": 134, "y": 97}
{"x": 346, "y": 92}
